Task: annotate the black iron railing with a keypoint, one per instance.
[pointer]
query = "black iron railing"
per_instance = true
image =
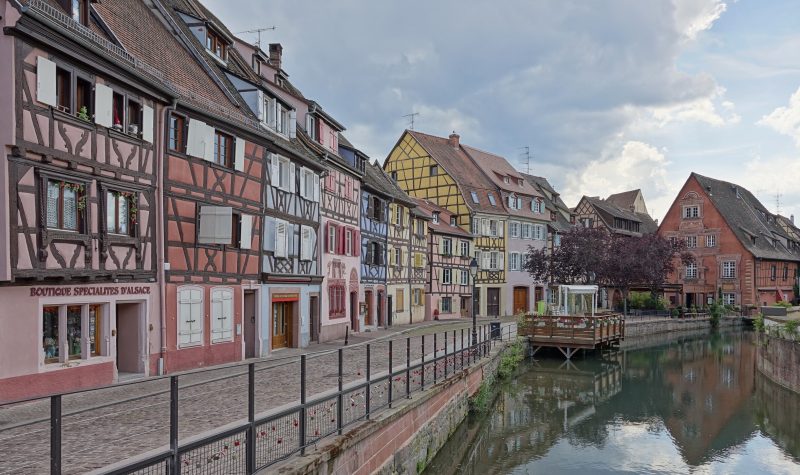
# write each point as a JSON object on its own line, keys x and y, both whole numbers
{"x": 263, "y": 439}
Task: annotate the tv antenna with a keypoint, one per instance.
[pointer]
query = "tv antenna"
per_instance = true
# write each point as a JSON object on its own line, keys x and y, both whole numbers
{"x": 258, "y": 31}
{"x": 526, "y": 158}
{"x": 411, "y": 117}
{"x": 778, "y": 197}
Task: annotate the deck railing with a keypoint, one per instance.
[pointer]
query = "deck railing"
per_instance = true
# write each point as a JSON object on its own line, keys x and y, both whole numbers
{"x": 580, "y": 329}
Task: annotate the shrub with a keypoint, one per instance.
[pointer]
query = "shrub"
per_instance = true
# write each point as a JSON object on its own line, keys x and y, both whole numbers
{"x": 791, "y": 326}
{"x": 783, "y": 303}
{"x": 758, "y": 323}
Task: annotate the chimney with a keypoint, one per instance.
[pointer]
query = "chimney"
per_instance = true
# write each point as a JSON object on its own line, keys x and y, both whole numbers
{"x": 275, "y": 53}
{"x": 453, "y": 139}
{"x": 791, "y": 218}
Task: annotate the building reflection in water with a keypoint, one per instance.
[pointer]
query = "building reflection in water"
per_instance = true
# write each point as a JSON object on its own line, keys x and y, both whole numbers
{"x": 702, "y": 396}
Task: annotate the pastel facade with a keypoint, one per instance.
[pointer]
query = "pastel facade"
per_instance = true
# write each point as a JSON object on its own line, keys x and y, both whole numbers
{"x": 374, "y": 242}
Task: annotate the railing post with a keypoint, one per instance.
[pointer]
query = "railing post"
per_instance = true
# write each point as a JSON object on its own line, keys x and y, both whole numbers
{"x": 422, "y": 366}
{"x": 454, "y": 350}
{"x": 391, "y": 374}
{"x": 302, "y": 404}
{"x": 340, "y": 396}
{"x": 462, "y": 348}
{"x": 408, "y": 367}
{"x": 251, "y": 416}
{"x": 435, "y": 357}
{"x": 366, "y": 397}
{"x": 55, "y": 435}
{"x": 445, "y": 354}
{"x": 173, "y": 426}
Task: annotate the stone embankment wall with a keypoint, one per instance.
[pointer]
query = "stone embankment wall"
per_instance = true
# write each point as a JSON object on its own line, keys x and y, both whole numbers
{"x": 403, "y": 439}
{"x": 779, "y": 360}
{"x": 672, "y": 325}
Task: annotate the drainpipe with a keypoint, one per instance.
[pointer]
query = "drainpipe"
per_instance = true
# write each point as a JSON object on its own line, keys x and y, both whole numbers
{"x": 161, "y": 245}
{"x": 409, "y": 270}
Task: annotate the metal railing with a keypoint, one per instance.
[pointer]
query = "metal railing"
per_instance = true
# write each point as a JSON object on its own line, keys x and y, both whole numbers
{"x": 389, "y": 371}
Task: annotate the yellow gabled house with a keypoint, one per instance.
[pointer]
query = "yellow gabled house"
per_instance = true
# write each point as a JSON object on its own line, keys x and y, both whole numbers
{"x": 440, "y": 170}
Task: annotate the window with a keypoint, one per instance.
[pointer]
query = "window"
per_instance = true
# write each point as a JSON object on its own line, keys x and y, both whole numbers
{"x": 729, "y": 270}
{"x": 538, "y": 232}
{"x": 474, "y": 197}
{"x": 309, "y": 184}
{"x": 464, "y": 277}
{"x": 64, "y": 90}
{"x": 336, "y": 306}
{"x": 416, "y": 297}
{"x": 505, "y": 179}
{"x": 282, "y": 173}
{"x": 513, "y": 261}
{"x": 435, "y": 217}
{"x": 134, "y": 117}
{"x": 393, "y": 174}
{"x": 377, "y": 211}
{"x": 492, "y": 227}
{"x": 375, "y": 254}
{"x": 513, "y": 229}
{"x": 50, "y": 335}
{"x": 526, "y": 231}
{"x": 491, "y": 200}
{"x": 215, "y": 44}
{"x": 447, "y": 247}
{"x": 121, "y": 212}
{"x": 728, "y": 298}
{"x": 464, "y": 248}
{"x": 117, "y": 111}
{"x": 83, "y": 99}
{"x": 308, "y": 241}
{"x": 493, "y": 260}
{"x": 400, "y": 296}
{"x": 282, "y": 116}
{"x": 773, "y": 274}
{"x": 476, "y": 226}
{"x": 447, "y": 304}
{"x": 785, "y": 272}
{"x": 691, "y": 212}
{"x": 419, "y": 260}
{"x": 514, "y": 202}
{"x": 348, "y": 242}
{"x": 332, "y": 239}
{"x": 447, "y": 276}
{"x": 66, "y": 202}
{"x": 557, "y": 240}
{"x": 398, "y": 256}
{"x": 190, "y": 316}
{"x": 536, "y": 206}
{"x": 711, "y": 240}
{"x": 691, "y": 242}
{"x": 223, "y": 149}
{"x": 221, "y": 314}
{"x": 177, "y": 128}
{"x": 398, "y": 216}
{"x": 453, "y": 221}
{"x": 78, "y": 10}
{"x": 691, "y": 270}
{"x": 433, "y": 170}
{"x": 420, "y": 228}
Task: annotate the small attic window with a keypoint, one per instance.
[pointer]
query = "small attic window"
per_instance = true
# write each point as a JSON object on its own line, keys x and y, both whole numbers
{"x": 519, "y": 181}
{"x": 78, "y": 10}
{"x": 474, "y": 197}
{"x": 434, "y": 170}
{"x": 216, "y": 44}
{"x": 491, "y": 200}
{"x": 506, "y": 179}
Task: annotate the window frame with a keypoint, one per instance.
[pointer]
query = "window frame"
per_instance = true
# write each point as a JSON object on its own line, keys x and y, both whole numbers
{"x": 447, "y": 276}
{"x": 215, "y": 44}
{"x": 227, "y": 160}
{"x": 81, "y": 203}
{"x": 691, "y": 211}
{"x": 447, "y": 246}
{"x": 433, "y": 170}
{"x": 711, "y": 240}
{"x": 464, "y": 248}
{"x": 692, "y": 266}
{"x": 180, "y": 138}
{"x": 446, "y": 308}
{"x": 133, "y": 210}
{"x": 691, "y": 242}
{"x": 729, "y": 269}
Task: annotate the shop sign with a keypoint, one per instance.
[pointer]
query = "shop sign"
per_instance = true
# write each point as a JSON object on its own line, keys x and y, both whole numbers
{"x": 285, "y": 297}
{"x": 88, "y": 291}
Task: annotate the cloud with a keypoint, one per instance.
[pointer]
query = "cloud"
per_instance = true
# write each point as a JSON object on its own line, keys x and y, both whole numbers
{"x": 693, "y": 17}
{"x": 712, "y": 109}
{"x": 786, "y": 120}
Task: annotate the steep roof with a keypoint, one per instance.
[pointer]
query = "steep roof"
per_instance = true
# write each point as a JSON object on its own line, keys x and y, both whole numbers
{"x": 756, "y": 228}
{"x": 378, "y": 181}
{"x": 427, "y": 208}
{"x": 552, "y": 201}
{"x": 496, "y": 167}
{"x": 624, "y": 200}
{"x": 456, "y": 162}
{"x": 607, "y": 211}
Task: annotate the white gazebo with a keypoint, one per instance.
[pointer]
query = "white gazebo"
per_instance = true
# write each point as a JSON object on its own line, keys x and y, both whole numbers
{"x": 577, "y": 299}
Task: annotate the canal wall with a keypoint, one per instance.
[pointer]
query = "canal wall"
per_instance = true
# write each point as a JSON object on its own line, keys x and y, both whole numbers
{"x": 779, "y": 360}
{"x": 403, "y": 439}
{"x": 675, "y": 325}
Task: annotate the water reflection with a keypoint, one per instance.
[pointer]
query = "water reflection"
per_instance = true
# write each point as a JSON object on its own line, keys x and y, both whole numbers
{"x": 693, "y": 405}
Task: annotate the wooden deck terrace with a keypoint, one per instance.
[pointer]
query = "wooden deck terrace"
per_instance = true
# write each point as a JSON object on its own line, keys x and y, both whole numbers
{"x": 570, "y": 333}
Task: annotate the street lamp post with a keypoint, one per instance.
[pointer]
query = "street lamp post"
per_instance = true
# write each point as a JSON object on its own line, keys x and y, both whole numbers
{"x": 473, "y": 271}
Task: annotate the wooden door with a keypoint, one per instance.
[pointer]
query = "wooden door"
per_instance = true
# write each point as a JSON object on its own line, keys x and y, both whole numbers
{"x": 249, "y": 324}
{"x": 368, "y": 316}
{"x": 313, "y": 304}
{"x": 280, "y": 325}
{"x": 520, "y": 299}
{"x": 493, "y": 302}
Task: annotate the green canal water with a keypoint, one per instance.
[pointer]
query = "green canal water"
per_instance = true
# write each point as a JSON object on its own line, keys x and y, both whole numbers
{"x": 689, "y": 405}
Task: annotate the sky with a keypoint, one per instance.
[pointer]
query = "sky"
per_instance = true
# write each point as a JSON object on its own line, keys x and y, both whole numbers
{"x": 608, "y": 95}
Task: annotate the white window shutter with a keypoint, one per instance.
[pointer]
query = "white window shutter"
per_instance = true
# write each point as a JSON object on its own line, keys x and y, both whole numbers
{"x": 303, "y": 190}
{"x": 500, "y": 228}
{"x": 291, "y": 185}
{"x": 215, "y": 225}
{"x": 269, "y": 233}
{"x": 280, "y": 238}
{"x": 275, "y": 179}
{"x": 103, "y": 105}
{"x": 147, "y": 123}
{"x": 222, "y": 314}
{"x": 238, "y": 162}
{"x": 195, "y": 142}
{"x": 46, "y": 81}
{"x": 269, "y": 105}
{"x": 316, "y": 187}
{"x": 500, "y": 261}
{"x": 245, "y": 231}
{"x": 292, "y": 124}
{"x": 260, "y": 106}
{"x": 291, "y": 244}
{"x": 278, "y": 119}
{"x": 306, "y": 251}
{"x": 208, "y": 143}
{"x": 487, "y": 260}
{"x": 190, "y": 316}
{"x": 309, "y": 125}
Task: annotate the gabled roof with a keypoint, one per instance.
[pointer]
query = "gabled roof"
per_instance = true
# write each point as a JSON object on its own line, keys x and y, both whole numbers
{"x": 624, "y": 200}
{"x": 378, "y": 181}
{"x": 427, "y": 208}
{"x": 756, "y": 228}
{"x": 608, "y": 211}
{"x": 463, "y": 170}
{"x": 496, "y": 168}
{"x": 552, "y": 202}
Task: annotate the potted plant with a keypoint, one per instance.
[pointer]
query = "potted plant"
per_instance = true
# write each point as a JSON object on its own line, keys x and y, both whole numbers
{"x": 133, "y": 129}
{"x": 83, "y": 114}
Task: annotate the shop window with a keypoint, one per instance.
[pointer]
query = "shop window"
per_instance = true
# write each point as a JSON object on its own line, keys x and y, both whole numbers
{"x": 95, "y": 328}
{"x": 74, "y": 332}
{"x": 121, "y": 212}
{"x": 64, "y": 90}
{"x": 223, "y": 149}
{"x": 221, "y": 314}
{"x": 190, "y": 316}
{"x": 50, "y": 336}
{"x": 65, "y": 204}
{"x": 177, "y": 129}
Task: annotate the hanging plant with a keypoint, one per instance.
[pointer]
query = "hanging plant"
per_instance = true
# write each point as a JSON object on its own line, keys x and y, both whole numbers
{"x": 79, "y": 192}
{"x": 133, "y": 209}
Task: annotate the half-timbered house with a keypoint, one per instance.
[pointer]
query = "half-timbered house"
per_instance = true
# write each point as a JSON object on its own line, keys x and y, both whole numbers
{"x": 621, "y": 213}
{"x": 449, "y": 252}
{"x": 439, "y": 170}
{"x": 375, "y": 199}
{"x": 402, "y": 225}
{"x": 743, "y": 254}
{"x": 78, "y": 259}
{"x": 419, "y": 270}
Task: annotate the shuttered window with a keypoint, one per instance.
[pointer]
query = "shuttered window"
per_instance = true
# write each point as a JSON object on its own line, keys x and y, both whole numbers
{"x": 281, "y": 173}
{"x": 190, "y": 316}
{"x": 281, "y": 238}
{"x": 447, "y": 276}
{"x": 307, "y": 243}
{"x": 221, "y": 314}
{"x": 215, "y": 225}
{"x": 309, "y": 184}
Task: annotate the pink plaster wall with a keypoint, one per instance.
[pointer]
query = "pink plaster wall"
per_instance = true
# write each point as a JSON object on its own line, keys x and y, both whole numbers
{"x": 7, "y": 128}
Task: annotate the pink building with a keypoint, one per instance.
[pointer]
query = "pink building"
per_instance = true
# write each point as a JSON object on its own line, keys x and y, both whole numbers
{"x": 449, "y": 287}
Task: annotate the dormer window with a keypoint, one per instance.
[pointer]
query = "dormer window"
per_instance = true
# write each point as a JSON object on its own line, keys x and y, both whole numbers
{"x": 435, "y": 217}
{"x": 491, "y": 200}
{"x": 216, "y": 44}
{"x": 78, "y": 10}
{"x": 519, "y": 181}
{"x": 311, "y": 126}
{"x": 506, "y": 179}
{"x": 474, "y": 197}
{"x": 453, "y": 221}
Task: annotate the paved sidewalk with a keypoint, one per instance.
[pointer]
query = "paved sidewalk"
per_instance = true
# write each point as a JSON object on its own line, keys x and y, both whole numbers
{"x": 122, "y": 421}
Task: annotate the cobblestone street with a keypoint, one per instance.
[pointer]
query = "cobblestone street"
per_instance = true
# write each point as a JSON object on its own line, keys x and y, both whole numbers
{"x": 104, "y": 426}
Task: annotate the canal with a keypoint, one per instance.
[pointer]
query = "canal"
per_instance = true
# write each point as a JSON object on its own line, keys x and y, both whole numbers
{"x": 689, "y": 405}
